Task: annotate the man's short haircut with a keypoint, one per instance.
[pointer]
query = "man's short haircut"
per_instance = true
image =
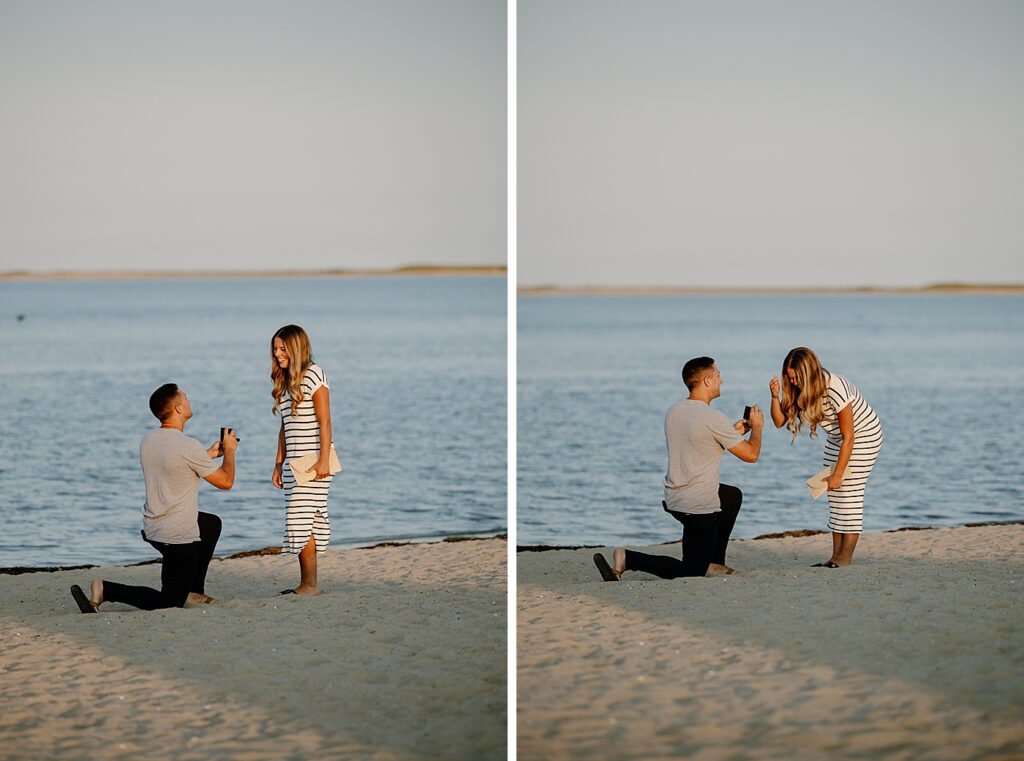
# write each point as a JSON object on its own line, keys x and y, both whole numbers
{"x": 693, "y": 370}
{"x": 162, "y": 400}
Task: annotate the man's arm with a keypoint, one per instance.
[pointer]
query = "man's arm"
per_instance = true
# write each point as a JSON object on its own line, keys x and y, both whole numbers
{"x": 224, "y": 476}
{"x": 749, "y": 450}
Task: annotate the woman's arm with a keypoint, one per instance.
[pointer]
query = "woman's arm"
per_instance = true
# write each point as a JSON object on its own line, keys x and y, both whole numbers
{"x": 279, "y": 465}
{"x": 845, "y": 449}
{"x": 322, "y": 408}
{"x": 778, "y": 417}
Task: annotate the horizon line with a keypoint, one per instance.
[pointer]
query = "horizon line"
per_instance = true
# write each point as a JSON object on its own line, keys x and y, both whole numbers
{"x": 196, "y": 274}
{"x": 672, "y": 290}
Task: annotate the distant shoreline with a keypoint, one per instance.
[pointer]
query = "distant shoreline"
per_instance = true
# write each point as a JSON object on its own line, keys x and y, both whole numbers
{"x": 937, "y": 289}
{"x": 409, "y": 271}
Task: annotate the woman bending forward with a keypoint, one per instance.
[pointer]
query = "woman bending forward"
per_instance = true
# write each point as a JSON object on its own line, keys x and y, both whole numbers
{"x": 812, "y": 395}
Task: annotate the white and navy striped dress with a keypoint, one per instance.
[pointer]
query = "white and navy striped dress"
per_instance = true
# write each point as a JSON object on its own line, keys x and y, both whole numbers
{"x": 306, "y": 505}
{"x": 846, "y": 504}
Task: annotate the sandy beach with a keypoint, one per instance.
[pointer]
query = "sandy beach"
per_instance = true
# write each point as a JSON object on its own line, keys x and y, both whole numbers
{"x": 915, "y": 652}
{"x": 403, "y": 656}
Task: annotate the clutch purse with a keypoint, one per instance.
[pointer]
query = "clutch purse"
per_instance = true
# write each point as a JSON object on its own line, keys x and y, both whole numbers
{"x": 818, "y": 482}
{"x": 302, "y": 464}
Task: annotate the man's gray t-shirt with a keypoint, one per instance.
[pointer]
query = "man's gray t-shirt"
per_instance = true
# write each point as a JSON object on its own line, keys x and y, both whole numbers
{"x": 173, "y": 464}
{"x": 697, "y": 437}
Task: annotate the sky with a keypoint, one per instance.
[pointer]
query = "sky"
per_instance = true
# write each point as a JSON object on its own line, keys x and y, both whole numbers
{"x": 262, "y": 135}
{"x": 770, "y": 144}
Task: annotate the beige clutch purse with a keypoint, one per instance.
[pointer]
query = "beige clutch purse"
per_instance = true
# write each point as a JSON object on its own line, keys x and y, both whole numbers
{"x": 818, "y": 483}
{"x": 302, "y": 464}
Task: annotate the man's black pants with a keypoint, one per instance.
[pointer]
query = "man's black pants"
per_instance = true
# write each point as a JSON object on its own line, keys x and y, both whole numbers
{"x": 705, "y": 538}
{"x": 184, "y": 570}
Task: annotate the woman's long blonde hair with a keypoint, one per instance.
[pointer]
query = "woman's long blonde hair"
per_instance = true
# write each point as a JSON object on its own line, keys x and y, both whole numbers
{"x": 805, "y": 404}
{"x": 300, "y": 357}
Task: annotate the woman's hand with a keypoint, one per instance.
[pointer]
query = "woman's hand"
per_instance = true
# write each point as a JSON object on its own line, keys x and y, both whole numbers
{"x": 834, "y": 481}
{"x": 276, "y": 478}
{"x": 322, "y": 468}
{"x": 775, "y": 408}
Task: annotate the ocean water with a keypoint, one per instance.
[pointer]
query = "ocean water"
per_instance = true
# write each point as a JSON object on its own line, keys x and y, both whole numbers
{"x": 417, "y": 370}
{"x": 597, "y": 373}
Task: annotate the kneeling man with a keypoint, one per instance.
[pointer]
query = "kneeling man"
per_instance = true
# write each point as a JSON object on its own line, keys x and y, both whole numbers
{"x": 173, "y": 464}
{"x": 697, "y": 437}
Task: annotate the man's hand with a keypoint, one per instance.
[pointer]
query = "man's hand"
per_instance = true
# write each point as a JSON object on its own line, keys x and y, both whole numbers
{"x": 217, "y": 448}
{"x": 756, "y": 418}
{"x": 224, "y": 476}
{"x": 749, "y": 450}
{"x": 742, "y": 426}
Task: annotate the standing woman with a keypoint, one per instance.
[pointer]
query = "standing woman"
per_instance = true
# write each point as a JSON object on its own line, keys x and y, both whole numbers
{"x": 813, "y": 395}
{"x": 302, "y": 398}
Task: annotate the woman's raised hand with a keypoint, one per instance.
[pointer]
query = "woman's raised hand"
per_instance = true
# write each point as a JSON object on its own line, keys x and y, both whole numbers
{"x": 774, "y": 387}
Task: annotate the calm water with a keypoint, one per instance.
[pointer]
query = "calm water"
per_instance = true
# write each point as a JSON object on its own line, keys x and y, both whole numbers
{"x": 596, "y": 375}
{"x": 417, "y": 368}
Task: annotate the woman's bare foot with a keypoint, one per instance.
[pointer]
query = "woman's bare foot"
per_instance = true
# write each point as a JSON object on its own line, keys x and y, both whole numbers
{"x": 721, "y": 569}
{"x": 197, "y": 598}
{"x": 96, "y": 593}
{"x": 306, "y": 591}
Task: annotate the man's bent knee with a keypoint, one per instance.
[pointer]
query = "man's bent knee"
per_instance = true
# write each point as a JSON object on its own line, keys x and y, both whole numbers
{"x": 732, "y": 493}
{"x": 210, "y": 524}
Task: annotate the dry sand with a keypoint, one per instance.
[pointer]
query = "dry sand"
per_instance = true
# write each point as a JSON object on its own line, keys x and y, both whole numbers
{"x": 402, "y": 657}
{"x": 915, "y": 652}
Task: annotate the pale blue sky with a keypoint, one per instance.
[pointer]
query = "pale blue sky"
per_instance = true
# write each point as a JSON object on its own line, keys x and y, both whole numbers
{"x": 252, "y": 134}
{"x": 752, "y": 143}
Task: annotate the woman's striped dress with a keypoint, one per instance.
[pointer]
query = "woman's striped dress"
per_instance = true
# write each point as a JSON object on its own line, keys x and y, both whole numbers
{"x": 846, "y": 504}
{"x": 306, "y": 505}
